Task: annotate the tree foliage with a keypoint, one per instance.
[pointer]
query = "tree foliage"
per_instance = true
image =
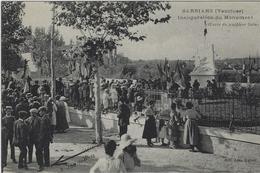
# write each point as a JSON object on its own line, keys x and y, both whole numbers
{"x": 41, "y": 41}
{"x": 105, "y": 24}
{"x": 13, "y": 34}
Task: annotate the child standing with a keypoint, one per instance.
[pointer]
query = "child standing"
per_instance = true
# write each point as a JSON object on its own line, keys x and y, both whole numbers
{"x": 174, "y": 123}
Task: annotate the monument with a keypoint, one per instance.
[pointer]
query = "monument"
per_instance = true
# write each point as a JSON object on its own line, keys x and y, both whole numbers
{"x": 204, "y": 62}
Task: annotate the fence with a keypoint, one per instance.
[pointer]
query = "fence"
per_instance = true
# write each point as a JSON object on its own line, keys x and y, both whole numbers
{"x": 235, "y": 112}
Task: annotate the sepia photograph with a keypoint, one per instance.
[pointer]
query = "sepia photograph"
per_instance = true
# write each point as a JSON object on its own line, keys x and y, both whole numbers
{"x": 130, "y": 86}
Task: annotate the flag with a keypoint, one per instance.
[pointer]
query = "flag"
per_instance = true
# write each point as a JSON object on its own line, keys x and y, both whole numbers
{"x": 166, "y": 67}
{"x": 178, "y": 76}
{"x": 160, "y": 70}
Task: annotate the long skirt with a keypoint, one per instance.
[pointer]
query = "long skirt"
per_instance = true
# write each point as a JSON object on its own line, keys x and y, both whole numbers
{"x": 174, "y": 133}
{"x": 61, "y": 119}
{"x": 191, "y": 132}
{"x": 150, "y": 128}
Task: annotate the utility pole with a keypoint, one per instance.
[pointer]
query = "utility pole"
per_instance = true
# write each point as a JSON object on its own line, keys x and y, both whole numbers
{"x": 53, "y": 79}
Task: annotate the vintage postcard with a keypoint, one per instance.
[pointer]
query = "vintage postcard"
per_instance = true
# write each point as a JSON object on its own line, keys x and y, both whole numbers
{"x": 130, "y": 86}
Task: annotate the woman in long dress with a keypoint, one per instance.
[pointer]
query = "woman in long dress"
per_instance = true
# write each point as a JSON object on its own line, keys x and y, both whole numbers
{"x": 61, "y": 120}
{"x": 191, "y": 129}
{"x": 150, "y": 124}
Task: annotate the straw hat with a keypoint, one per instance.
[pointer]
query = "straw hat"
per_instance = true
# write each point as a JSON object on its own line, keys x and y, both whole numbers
{"x": 8, "y": 107}
{"x": 126, "y": 140}
{"x": 33, "y": 110}
{"x": 139, "y": 98}
{"x": 62, "y": 98}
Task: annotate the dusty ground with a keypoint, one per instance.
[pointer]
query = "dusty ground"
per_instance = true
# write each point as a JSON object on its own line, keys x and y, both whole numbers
{"x": 157, "y": 159}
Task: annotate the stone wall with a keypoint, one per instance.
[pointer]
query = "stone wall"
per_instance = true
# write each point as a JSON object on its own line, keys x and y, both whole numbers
{"x": 236, "y": 146}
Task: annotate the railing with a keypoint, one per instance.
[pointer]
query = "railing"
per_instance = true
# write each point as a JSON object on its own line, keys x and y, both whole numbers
{"x": 235, "y": 112}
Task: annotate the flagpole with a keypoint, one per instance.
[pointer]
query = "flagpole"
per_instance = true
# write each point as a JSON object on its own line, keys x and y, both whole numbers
{"x": 53, "y": 86}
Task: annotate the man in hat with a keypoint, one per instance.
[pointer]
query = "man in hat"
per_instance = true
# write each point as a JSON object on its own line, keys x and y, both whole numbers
{"x": 33, "y": 123}
{"x": 123, "y": 116}
{"x": 46, "y": 87}
{"x": 35, "y": 87}
{"x": 60, "y": 87}
{"x": 8, "y": 121}
{"x": 21, "y": 138}
{"x": 45, "y": 135}
{"x": 23, "y": 105}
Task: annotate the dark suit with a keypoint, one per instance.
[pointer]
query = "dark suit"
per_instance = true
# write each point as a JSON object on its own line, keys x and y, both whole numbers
{"x": 123, "y": 118}
{"x": 4, "y": 146}
{"x": 8, "y": 122}
{"x": 33, "y": 123}
{"x": 20, "y": 139}
{"x": 45, "y": 137}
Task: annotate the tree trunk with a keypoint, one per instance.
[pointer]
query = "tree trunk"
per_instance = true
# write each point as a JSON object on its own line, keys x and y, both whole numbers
{"x": 98, "y": 124}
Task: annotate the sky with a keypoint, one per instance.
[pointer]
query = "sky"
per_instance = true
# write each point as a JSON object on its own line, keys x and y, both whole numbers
{"x": 180, "y": 38}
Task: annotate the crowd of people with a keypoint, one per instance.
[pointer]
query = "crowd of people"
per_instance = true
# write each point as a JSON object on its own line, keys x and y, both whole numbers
{"x": 29, "y": 119}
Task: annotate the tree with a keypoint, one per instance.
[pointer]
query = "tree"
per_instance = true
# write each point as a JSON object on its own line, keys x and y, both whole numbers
{"x": 13, "y": 34}
{"x": 103, "y": 26}
{"x": 41, "y": 50}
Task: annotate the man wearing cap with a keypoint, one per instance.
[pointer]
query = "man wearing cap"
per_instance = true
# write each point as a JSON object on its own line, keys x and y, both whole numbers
{"x": 33, "y": 123}
{"x": 21, "y": 138}
{"x": 8, "y": 121}
{"x": 45, "y": 135}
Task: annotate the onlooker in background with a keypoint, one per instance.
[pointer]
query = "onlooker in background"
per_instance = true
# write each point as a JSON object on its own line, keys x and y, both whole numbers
{"x": 64, "y": 99}
{"x": 85, "y": 94}
{"x": 46, "y": 88}
{"x": 8, "y": 122}
{"x": 138, "y": 107}
{"x": 34, "y": 88}
{"x": 52, "y": 109}
{"x": 23, "y": 105}
{"x": 196, "y": 85}
{"x": 21, "y": 137}
{"x": 76, "y": 94}
{"x": 61, "y": 120}
{"x": 127, "y": 153}
{"x": 123, "y": 116}
{"x": 109, "y": 164}
{"x": 191, "y": 129}
{"x": 150, "y": 124}
{"x": 114, "y": 96}
{"x": 105, "y": 100}
{"x": 60, "y": 87}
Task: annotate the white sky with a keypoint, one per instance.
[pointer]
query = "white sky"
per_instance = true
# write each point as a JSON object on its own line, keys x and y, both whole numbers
{"x": 178, "y": 39}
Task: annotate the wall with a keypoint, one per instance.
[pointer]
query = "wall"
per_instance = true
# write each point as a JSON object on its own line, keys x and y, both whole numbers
{"x": 238, "y": 146}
